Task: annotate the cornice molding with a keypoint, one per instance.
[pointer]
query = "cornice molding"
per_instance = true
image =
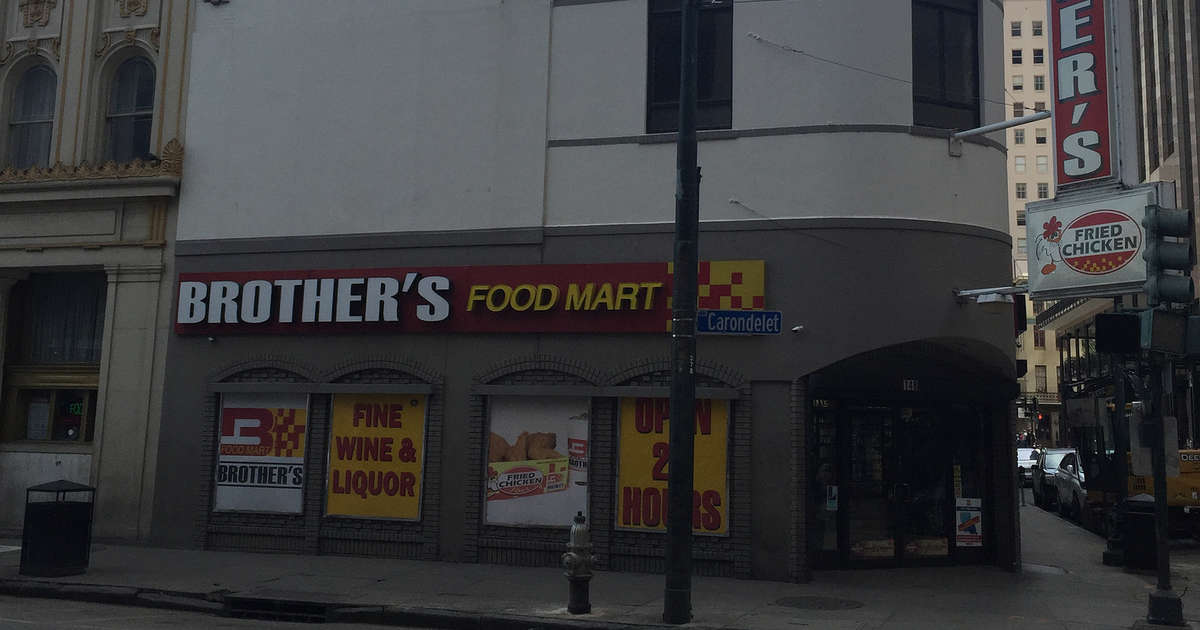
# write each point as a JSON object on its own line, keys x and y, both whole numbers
{"x": 171, "y": 165}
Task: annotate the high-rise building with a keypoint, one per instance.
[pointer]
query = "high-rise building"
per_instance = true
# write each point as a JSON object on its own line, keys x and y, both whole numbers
{"x": 1166, "y": 72}
{"x": 1030, "y": 178}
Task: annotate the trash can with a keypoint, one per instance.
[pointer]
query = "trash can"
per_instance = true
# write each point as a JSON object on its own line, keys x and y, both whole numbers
{"x": 57, "y": 537}
{"x": 1141, "y": 550}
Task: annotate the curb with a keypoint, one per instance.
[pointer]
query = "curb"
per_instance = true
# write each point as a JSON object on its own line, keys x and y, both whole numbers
{"x": 119, "y": 595}
{"x": 215, "y": 603}
{"x": 457, "y": 620}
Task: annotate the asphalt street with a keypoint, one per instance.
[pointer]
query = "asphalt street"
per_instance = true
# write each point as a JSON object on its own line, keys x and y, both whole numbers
{"x": 37, "y": 614}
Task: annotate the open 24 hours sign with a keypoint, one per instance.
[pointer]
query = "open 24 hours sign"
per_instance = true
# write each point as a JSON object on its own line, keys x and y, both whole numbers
{"x": 1090, "y": 245}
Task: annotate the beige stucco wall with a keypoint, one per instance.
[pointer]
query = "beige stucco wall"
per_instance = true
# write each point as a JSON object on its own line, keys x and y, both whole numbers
{"x": 119, "y": 220}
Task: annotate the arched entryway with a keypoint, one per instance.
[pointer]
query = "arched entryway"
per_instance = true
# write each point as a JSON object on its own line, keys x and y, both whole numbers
{"x": 905, "y": 450}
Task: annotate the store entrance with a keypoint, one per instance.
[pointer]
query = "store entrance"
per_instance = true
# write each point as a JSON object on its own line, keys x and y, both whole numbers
{"x": 885, "y": 483}
{"x": 896, "y": 487}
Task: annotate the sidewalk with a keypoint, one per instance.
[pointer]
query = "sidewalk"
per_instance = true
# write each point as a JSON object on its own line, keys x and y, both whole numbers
{"x": 1064, "y": 585}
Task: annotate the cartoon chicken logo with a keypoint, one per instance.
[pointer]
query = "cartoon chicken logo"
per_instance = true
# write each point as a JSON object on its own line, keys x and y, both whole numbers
{"x": 1047, "y": 246}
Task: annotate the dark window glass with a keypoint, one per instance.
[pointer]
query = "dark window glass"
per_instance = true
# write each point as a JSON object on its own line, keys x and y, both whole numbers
{"x": 64, "y": 321}
{"x": 1037, "y": 28}
{"x": 32, "y": 119}
{"x": 714, "y": 61}
{"x": 1038, "y": 55}
{"x": 1016, "y": 56}
{"x": 945, "y": 64}
{"x": 130, "y": 111}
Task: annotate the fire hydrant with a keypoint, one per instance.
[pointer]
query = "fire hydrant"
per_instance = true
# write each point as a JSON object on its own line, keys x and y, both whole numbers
{"x": 578, "y": 564}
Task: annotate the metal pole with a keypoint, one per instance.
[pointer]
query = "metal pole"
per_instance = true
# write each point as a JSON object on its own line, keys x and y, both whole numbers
{"x": 1164, "y": 606}
{"x": 1114, "y": 552}
{"x": 677, "y": 598}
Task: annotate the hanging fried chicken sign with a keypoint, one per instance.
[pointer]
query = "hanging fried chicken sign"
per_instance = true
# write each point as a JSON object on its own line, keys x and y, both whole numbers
{"x": 1097, "y": 243}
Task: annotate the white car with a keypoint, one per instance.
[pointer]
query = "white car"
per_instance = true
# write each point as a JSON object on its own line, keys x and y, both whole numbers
{"x": 1025, "y": 460}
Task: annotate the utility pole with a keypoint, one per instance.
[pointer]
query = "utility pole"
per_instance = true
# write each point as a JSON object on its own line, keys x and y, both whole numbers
{"x": 677, "y": 599}
{"x": 1164, "y": 606}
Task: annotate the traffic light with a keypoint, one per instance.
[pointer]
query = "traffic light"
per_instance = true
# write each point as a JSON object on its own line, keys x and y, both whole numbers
{"x": 1162, "y": 256}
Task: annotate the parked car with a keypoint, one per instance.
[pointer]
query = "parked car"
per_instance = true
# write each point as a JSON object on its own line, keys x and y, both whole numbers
{"x": 1069, "y": 486}
{"x": 1025, "y": 460}
{"x": 1045, "y": 493}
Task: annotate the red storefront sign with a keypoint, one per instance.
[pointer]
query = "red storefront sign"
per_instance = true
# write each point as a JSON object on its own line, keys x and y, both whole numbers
{"x": 1081, "y": 108}
{"x": 616, "y": 297}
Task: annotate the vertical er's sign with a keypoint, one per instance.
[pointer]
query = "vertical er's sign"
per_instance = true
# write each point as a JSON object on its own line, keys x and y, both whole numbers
{"x": 1081, "y": 91}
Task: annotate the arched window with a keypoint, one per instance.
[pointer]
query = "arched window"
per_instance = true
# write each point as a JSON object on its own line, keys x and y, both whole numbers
{"x": 130, "y": 111}
{"x": 31, "y": 119}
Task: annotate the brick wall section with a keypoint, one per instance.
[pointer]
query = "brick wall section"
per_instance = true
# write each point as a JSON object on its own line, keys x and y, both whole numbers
{"x": 521, "y": 546}
{"x": 615, "y": 550}
{"x": 245, "y": 530}
{"x": 312, "y": 531}
{"x": 1002, "y": 420}
{"x": 727, "y": 556}
{"x": 389, "y": 538}
{"x": 798, "y": 466}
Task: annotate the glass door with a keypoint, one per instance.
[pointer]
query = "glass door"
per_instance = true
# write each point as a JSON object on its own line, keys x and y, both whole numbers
{"x": 896, "y": 497}
{"x": 923, "y": 507}
{"x": 869, "y": 487}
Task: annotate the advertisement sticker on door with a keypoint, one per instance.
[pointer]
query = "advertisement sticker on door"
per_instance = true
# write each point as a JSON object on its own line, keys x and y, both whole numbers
{"x": 968, "y": 522}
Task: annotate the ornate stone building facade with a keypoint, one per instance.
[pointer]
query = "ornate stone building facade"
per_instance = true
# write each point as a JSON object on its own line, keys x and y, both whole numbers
{"x": 91, "y": 103}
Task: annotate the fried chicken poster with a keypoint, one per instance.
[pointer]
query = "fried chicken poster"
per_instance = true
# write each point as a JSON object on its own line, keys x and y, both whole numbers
{"x": 536, "y": 469}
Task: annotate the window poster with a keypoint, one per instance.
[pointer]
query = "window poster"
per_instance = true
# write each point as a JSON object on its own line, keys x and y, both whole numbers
{"x": 260, "y": 457}
{"x": 537, "y": 460}
{"x": 376, "y": 454}
{"x": 968, "y": 519}
{"x": 642, "y": 465}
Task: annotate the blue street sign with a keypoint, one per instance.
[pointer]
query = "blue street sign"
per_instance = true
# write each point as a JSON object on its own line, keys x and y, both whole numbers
{"x": 739, "y": 322}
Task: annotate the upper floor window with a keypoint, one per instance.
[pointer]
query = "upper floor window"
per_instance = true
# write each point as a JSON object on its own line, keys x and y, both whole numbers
{"x": 1043, "y": 164}
{"x": 31, "y": 118}
{"x": 714, "y": 89}
{"x": 1019, "y": 163}
{"x": 1019, "y": 136}
{"x": 1039, "y": 106}
{"x": 1038, "y": 55}
{"x": 945, "y": 64}
{"x": 1039, "y": 82}
{"x": 130, "y": 111}
{"x": 1018, "y": 109}
{"x": 1036, "y": 28}
{"x": 1014, "y": 29}
{"x": 1039, "y": 135}
{"x": 1018, "y": 82}
{"x": 1016, "y": 56}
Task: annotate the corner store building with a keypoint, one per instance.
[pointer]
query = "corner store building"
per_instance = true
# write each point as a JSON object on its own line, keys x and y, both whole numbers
{"x": 501, "y": 157}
